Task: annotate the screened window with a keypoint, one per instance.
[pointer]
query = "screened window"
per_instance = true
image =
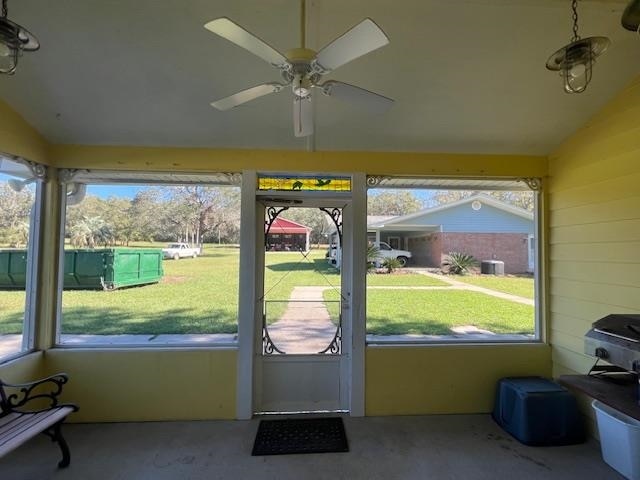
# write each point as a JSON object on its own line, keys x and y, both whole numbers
{"x": 19, "y": 190}
{"x": 150, "y": 263}
{"x": 452, "y": 260}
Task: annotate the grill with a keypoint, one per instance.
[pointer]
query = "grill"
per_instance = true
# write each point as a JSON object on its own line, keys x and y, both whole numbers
{"x": 616, "y": 339}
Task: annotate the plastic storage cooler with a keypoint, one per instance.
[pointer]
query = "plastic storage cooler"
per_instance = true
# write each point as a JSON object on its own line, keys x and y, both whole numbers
{"x": 619, "y": 440}
{"x": 538, "y": 411}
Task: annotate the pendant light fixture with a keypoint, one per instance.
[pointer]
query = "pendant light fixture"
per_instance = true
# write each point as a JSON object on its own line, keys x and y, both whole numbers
{"x": 575, "y": 60}
{"x": 14, "y": 40}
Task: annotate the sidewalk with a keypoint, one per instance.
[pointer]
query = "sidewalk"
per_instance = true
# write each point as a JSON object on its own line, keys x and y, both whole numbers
{"x": 457, "y": 285}
{"x": 305, "y": 327}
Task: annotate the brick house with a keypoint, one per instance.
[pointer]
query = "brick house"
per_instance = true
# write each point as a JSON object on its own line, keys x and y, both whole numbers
{"x": 479, "y": 225}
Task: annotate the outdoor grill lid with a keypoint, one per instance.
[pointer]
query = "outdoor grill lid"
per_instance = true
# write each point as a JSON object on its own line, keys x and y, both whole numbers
{"x": 624, "y": 326}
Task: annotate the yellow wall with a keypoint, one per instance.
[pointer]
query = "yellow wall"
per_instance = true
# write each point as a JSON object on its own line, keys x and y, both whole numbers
{"x": 445, "y": 379}
{"x": 120, "y": 385}
{"x": 23, "y": 369}
{"x": 194, "y": 159}
{"x": 140, "y": 385}
{"x": 594, "y": 227}
{"x": 20, "y": 139}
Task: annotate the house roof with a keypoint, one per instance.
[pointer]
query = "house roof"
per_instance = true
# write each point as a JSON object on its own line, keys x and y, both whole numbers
{"x": 403, "y": 219}
{"x": 375, "y": 219}
{"x": 282, "y": 225}
{"x": 466, "y": 76}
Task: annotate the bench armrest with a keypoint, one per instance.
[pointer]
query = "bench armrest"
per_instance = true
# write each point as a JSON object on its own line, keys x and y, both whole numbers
{"x": 44, "y": 390}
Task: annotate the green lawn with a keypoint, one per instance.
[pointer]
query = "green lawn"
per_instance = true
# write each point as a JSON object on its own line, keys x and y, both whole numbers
{"x": 201, "y": 296}
{"x": 12, "y": 305}
{"x": 196, "y": 295}
{"x": 402, "y": 279}
{"x": 435, "y": 312}
{"x": 521, "y": 286}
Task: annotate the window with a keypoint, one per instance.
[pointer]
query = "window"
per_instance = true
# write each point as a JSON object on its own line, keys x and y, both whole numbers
{"x": 19, "y": 198}
{"x": 151, "y": 260}
{"x": 468, "y": 270}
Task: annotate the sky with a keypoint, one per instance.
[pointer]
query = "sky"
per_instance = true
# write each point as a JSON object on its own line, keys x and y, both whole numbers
{"x": 120, "y": 191}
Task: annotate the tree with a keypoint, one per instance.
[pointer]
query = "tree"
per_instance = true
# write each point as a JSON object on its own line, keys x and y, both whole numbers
{"x": 15, "y": 209}
{"x": 197, "y": 213}
{"x": 393, "y": 202}
{"x": 143, "y": 210}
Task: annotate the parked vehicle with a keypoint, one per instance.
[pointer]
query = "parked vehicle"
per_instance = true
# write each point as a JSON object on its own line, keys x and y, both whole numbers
{"x": 180, "y": 250}
{"x": 386, "y": 251}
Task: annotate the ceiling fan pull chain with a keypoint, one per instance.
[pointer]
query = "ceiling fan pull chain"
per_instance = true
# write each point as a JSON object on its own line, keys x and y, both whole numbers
{"x": 574, "y": 7}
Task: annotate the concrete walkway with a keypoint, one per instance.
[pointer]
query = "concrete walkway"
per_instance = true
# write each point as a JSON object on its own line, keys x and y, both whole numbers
{"x": 457, "y": 285}
{"x": 305, "y": 326}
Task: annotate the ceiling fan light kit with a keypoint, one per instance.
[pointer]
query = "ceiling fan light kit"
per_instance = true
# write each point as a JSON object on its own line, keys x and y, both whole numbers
{"x": 14, "y": 40}
{"x": 575, "y": 61}
{"x": 302, "y": 69}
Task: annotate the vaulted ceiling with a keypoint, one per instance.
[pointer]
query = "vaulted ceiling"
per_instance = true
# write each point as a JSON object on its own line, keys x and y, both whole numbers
{"x": 466, "y": 75}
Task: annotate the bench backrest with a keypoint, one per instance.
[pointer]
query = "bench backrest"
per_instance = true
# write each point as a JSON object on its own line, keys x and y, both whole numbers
{"x": 4, "y": 402}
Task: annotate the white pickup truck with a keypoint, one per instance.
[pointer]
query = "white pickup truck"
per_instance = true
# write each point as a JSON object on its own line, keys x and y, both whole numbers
{"x": 386, "y": 251}
{"x": 180, "y": 250}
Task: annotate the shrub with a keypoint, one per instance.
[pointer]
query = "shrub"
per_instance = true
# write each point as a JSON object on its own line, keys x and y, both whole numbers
{"x": 391, "y": 264}
{"x": 373, "y": 255}
{"x": 459, "y": 263}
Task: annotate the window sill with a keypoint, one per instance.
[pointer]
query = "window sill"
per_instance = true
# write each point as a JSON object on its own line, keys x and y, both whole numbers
{"x": 223, "y": 340}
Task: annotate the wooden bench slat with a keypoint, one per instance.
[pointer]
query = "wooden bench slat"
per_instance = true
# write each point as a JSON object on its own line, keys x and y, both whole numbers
{"x": 17, "y": 428}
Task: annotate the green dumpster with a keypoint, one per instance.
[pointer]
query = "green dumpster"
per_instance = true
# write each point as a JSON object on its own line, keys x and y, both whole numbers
{"x": 107, "y": 268}
{"x": 13, "y": 268}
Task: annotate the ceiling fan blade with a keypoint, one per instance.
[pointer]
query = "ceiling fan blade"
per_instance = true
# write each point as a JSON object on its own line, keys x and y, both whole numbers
{"x": 247, "y": 95}
{"x": 302, "y": 116}
{"x": 236, "y": 34}
{"x": 360, "y": 40}
{"x": 350, "y": 93}
{"x": 631, "y": 16}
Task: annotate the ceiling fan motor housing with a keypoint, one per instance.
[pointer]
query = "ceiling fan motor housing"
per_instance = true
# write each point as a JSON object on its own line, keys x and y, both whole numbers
{"x": 301, "y": 75}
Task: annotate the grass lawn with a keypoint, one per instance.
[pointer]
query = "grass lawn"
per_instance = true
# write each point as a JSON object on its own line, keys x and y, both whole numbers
{"x": 403, "y": 280}
{"x": 201, "y": 296}
{"x": 196, "y": 295}
{"x": 434, "y": 312}
{"x": 521, "y": 286}
{"x": 12, "y": 305}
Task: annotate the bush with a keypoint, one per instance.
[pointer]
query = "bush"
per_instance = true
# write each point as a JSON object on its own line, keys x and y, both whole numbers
{"x": 373, "y": 255}
{"x": 391, "y": 264}
{"x": 459, "y": 263}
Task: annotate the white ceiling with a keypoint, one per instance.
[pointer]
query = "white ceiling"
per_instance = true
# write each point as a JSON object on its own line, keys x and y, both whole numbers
{"x": 467, "y": 75}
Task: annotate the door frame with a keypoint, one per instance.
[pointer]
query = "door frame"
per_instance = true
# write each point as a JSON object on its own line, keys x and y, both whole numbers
{"x": 251, "y": 282}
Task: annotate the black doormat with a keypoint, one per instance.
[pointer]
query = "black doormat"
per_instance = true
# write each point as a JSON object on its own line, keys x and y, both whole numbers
{"x": 304, "y": 435}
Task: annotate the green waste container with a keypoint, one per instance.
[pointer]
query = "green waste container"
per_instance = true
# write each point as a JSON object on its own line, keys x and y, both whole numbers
{"x": 107, "y": 268}
{"x": 13, "y": 268}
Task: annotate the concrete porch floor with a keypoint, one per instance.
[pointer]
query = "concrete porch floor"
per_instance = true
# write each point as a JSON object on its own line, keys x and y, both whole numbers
{"x": 465, "y": 447}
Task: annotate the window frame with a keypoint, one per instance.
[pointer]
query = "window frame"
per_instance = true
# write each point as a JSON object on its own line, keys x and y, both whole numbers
{"x": 535, "y": 186}
{"x": 32, "y": 284}
{"x": 137, "y": 178}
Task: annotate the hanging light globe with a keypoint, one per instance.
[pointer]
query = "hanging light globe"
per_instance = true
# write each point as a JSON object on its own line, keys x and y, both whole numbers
{"x": 575, "y": 61}
{"x": 14, "y": 39}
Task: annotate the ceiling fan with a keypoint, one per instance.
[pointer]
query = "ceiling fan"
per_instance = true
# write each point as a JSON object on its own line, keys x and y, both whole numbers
{"x": 303, "y": 68}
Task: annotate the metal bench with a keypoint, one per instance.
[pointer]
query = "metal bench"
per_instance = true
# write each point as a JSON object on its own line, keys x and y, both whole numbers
{"x": 28, "y": 409}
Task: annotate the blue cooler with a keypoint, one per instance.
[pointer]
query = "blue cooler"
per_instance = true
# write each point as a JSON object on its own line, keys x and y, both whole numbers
{"x": 538, "y": 411}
